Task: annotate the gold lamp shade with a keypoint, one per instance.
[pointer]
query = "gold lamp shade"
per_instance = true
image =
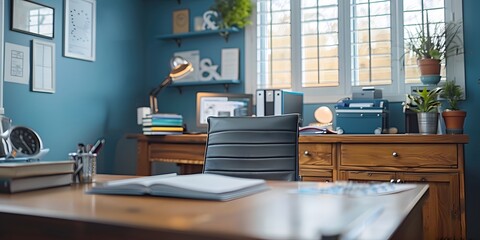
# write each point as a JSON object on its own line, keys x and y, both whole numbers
{"x": 180, "y": 68}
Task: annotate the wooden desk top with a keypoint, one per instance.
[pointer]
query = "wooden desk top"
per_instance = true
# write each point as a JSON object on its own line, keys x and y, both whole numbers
{"x": 325, "y": 138}
{"x": 274, "y": 214}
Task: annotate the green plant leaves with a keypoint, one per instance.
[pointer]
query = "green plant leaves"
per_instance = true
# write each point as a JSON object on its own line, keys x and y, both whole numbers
{"x": 425, "y": 100}
{"x": 452, "y": 93}
{"x": 233, "y": 13}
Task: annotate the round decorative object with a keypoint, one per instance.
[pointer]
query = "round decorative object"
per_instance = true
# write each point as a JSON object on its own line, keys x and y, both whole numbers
{"x": 24, "y": 141}
{"x": 323, "y": 114}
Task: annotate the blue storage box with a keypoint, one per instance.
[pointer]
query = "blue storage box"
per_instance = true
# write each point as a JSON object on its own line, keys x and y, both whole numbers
{"x": 362, "y": 116}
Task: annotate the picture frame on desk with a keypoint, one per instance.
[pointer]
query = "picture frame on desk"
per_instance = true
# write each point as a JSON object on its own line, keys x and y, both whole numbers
{"x": 41, "y": 24}
{"x": 80, "y": 29}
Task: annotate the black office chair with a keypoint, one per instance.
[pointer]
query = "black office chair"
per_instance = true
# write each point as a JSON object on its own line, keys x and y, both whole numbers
{"x": 253, "y": 147}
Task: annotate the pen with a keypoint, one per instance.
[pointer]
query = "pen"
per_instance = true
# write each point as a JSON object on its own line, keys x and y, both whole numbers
{"x": 97, "y": 146}
{"x": 80, "y": 148}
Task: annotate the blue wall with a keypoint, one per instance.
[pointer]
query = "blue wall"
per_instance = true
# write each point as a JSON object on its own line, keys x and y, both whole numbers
{"x": 92, "y": 99}
{"x": 159, "y": 52}
{"x": 472, "y": 164}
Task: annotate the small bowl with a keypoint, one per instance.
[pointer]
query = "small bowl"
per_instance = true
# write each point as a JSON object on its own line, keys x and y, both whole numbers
{"x": 430, "y": 79}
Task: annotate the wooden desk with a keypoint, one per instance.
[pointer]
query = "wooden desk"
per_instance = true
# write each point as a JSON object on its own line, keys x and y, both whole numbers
{"x": 69, "y": 213}
{"x": 434, "y": 159}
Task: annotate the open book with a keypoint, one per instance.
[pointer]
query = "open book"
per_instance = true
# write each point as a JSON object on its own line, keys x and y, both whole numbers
{"x": 197, "y": 186}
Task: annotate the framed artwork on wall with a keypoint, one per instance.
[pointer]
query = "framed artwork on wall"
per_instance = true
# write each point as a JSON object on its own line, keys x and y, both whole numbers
{"x": 43, "y": 66}
{"x": 181, "y": 21}
{"x": 33, "y": 18}
{"x": 17, "y": 63}
{"x": 80, "y": 30}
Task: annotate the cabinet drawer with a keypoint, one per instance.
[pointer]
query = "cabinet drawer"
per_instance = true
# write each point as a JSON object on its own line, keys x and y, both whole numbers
{"x": 179, "y": 153}
{"x": 316, "y": 175}
{"x": 316, "y": 179}
{"x": 399, "y": 155}
{"x": 366, "y": 176}
{"x": 313, "y": 155}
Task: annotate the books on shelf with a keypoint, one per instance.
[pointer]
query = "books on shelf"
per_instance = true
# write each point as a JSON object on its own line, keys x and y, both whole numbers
{"x": 162, "y": 124}
{"x": 162, "y": 133}
{"x": 13, "y": 185}
{"x": 165, "y": 116}
{"x": 28, "y": 169}
{"x": 195, "y": 186}
{"x": 162, "y": 129}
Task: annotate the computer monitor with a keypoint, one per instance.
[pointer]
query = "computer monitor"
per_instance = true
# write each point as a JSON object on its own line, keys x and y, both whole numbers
{"x": 222, "y": 104}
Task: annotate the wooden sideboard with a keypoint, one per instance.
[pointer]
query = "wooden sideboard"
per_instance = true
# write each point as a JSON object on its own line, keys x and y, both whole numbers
{"x": 434, "y": 159}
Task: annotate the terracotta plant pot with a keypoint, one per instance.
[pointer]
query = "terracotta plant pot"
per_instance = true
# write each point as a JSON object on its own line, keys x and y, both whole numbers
{"x": 429, "y": 66}
{"x": 454, "y": 121}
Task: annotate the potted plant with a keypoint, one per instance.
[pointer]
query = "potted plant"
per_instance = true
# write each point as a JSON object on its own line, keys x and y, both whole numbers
{"x": 232, "y": 13}
{"x": 432, "y": 45}
{"x": 426, "y": 104}
{"x": 453, "y": 116}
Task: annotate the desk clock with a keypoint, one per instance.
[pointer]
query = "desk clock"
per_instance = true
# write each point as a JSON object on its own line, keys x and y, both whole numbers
{"x": 20, "y": 142}
{"x": 24, "y": 141}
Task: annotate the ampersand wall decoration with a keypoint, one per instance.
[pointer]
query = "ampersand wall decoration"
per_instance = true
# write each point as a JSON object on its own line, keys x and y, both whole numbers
{"x": 209, "y": 20}
{"x": 208, "y": 71}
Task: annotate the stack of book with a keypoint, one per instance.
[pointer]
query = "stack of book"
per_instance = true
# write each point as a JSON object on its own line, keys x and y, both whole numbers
{"x": 25, "y": 176}
{"x": 162, "y": 124}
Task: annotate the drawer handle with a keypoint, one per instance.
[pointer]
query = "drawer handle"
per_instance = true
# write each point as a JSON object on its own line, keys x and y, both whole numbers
{"x": 395, "y": 154}
{"x": 306, "y": 153}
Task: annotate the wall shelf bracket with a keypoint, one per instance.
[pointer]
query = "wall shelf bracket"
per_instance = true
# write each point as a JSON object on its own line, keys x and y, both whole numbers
{"x": 178, "y": 41}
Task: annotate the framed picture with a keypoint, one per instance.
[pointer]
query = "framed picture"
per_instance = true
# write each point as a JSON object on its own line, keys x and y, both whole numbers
{"x": 43, "y": 66}
{"x": 17, "y": 63}
{"x": 80, "y": 29}
{"x": 32, "y": 18}
{"x": 181, "y": 21}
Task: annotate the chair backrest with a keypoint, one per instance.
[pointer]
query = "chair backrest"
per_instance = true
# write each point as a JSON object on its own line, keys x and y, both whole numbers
{"x": 253, "y": 147}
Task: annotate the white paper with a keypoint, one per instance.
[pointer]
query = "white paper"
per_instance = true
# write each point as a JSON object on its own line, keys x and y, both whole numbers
{"x": 194, "y": 58}
{"x": 17, "y": 63}
{"x": 230, "y": 59}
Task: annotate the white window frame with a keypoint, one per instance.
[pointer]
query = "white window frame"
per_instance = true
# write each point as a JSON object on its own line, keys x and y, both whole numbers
{"x": 2, "y": 14}
{"x": 395, "y": 92}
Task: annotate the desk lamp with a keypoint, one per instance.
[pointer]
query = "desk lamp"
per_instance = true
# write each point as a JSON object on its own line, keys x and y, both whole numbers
{"x": 180, "y": 68}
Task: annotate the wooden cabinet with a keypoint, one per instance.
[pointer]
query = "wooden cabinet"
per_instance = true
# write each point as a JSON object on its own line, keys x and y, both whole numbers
{"x": 316, "y": 162}
{"x": 404, "y": 158}
{"x": 435, "y": 164}
{"x": 441, "y": 210}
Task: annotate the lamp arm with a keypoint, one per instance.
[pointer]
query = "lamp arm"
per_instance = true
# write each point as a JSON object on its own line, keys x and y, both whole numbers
{"x": 154, "y": 93}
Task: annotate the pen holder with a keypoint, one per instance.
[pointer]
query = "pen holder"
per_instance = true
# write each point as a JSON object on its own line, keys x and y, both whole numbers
{"x": 85, "y": 167}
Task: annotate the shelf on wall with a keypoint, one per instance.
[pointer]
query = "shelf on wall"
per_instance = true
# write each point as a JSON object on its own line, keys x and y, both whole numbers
{"x": 178, "y": 37}
{"x": 225, "y": 83}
